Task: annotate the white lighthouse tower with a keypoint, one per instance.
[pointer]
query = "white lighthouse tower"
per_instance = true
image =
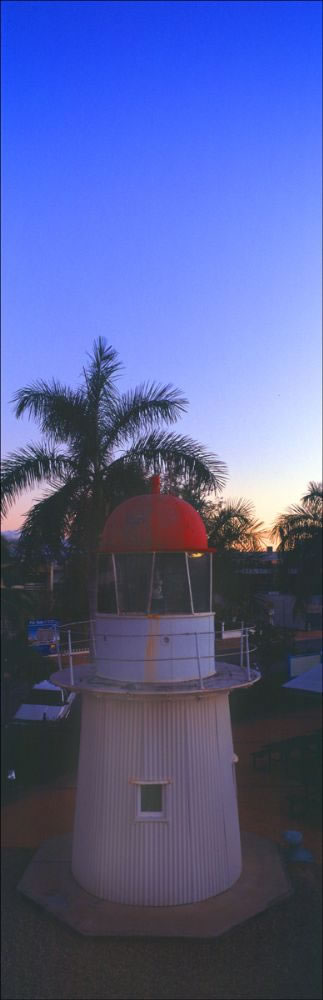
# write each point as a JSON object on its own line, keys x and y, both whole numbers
{"x": 156, "y": 819}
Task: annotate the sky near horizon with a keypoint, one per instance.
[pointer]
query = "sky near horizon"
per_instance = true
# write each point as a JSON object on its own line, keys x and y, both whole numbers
{"x": 161, "y": 184}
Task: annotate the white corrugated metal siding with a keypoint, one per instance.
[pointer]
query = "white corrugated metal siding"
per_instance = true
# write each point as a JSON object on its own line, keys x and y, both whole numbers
{"x": 195, "y": 851}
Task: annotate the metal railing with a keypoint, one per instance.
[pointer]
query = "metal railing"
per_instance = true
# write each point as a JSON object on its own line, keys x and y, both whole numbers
{"x": 79, "y": 637}
{"x": 244, "y": 651}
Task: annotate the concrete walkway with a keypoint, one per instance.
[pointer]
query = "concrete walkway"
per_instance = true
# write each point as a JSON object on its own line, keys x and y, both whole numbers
{"x": 274, "y": 956}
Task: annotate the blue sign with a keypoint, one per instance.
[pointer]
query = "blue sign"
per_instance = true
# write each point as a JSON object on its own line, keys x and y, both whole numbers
{"x": 42, "y": 635}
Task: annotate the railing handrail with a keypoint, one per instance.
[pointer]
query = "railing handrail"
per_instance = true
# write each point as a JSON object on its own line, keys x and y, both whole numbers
{"x": 87, "y": 621}
{"x": 72, "y": 641}
{"x": 84, "y": 621}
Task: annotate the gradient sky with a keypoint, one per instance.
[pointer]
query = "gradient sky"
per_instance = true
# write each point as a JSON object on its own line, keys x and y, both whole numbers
{"x": 161, "y": 187}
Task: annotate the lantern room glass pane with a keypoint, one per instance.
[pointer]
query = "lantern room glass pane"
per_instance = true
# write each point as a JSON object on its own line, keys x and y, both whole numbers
{"x": 170, "y": 592}
{"x": 151, "y": 798}
{"x": 133, "y": 582}
{"x": 106, "y": 586}
{"x": 199, "y": 570}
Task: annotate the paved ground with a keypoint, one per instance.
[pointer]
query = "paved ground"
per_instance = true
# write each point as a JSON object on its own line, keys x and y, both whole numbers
{"x": 272, "y": 957}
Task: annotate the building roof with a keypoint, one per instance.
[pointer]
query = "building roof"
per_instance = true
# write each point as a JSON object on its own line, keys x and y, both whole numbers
{"x": 310, "y": 680}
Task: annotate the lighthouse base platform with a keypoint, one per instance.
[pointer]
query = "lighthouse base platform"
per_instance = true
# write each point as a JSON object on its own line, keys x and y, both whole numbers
{"x": 48, "y": 881}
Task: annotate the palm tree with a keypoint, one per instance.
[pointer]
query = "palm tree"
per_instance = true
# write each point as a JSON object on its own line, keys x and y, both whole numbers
{"x": 299, "y": 535}
{"x": 302, "y": 523}
{"x": 232, "y": 525}
{"x": 99, "y": 446}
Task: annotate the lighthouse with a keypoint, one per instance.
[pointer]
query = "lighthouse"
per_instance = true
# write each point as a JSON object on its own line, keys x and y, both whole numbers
{"x": 155, "y": 848}
{"x": 156, "y": 819}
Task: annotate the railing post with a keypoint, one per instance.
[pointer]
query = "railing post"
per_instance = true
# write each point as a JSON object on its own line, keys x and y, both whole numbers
{"x": 247, "y": 654}
{"x": 189, "y": 583}
{"x": 115, "y": 583}
{"x": 199, "y": 662}
{"x": 222, "y": 630}
{"x": 92, "y": 636}
{"x": 241, "y": 647}
{"x": 211, "y": 582}
{"x": 58, "y": 649}
{"x": 152, "y": 572}
{"x": 70, "y": 655}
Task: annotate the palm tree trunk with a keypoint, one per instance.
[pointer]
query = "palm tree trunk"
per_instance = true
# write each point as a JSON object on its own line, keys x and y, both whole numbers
{"x": 92, "y": 587}
{"x": 98, "y": 515}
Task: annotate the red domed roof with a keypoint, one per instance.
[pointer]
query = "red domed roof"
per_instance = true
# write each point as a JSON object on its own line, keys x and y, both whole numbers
{"x": 156, "y": 522}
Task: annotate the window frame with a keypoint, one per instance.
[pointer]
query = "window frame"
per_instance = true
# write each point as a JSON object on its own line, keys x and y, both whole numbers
{"x": 142, "y": 817}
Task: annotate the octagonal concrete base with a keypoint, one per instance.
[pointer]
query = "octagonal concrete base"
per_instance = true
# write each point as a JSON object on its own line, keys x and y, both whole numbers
{"x": 48, "y": 881}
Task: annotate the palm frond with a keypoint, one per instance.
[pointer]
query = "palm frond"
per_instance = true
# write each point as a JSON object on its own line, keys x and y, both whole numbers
{"x": 234, "y": 526}
{"x": 48, "y": 522}
{"x": 301, "y": 523}
{"x": 160, "y": 451}
{"x": 28, "y": 467}
{"x": 314, "y": 493}
{"x": 296, "y": 527}
{"x": 102, "y": 374}
{"x": 141, "y": 408}
{"x": 124, "y": 478}
{"x": 240, "y": 509}
{"x": 60, "y": 411}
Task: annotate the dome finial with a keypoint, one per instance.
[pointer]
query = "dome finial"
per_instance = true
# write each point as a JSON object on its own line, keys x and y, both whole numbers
{"x": 155, "y": 484}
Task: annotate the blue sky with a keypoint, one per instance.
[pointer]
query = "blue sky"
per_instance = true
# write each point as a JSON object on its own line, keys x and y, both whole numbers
{"x": 161, "y": 187}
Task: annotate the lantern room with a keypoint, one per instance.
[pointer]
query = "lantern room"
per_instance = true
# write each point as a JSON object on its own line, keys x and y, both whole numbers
{"x": 154, "y": 617}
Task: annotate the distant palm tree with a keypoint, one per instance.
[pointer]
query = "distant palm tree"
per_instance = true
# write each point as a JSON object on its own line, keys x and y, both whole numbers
{"x": 109, "y": 444}
{"x": 302, "y": 523}
{"x": 233, "y": 525}
{"x": 299, "y": 535}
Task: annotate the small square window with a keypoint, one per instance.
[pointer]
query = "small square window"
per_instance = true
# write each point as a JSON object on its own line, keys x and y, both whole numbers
{"x": 151, "y": 798}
